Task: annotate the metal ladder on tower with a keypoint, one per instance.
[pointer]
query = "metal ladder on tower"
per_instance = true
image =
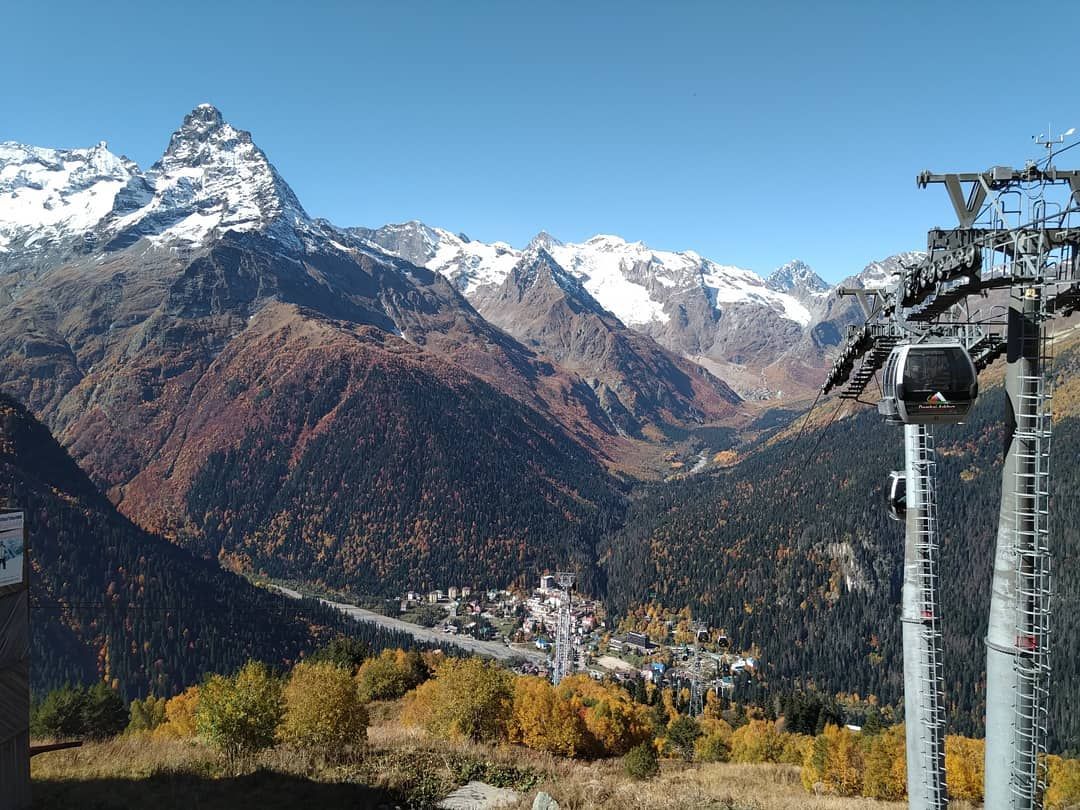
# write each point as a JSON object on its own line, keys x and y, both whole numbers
{"x": 1033, "y": 586}
{"x": 931, "y": 709}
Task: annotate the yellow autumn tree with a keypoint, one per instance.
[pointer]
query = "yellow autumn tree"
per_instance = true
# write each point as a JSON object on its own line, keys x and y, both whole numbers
{"x": 714, "y": 707}
{"x": 834, "y": 763}
{"x": 714, "y": 744}
{"x": 964, "y": 767}
{"x": 1063, "y": 788}
{"x": 667, "y": 697}
{"x": 180, "y": 715}
{"x": 885, "y": 765}
{"x": 323, "y": 711}
{"x": 615, "y": 723}
{"x": 466, "y": 699}
{"x": 795, "y": 748}
{"x": 390, "y": 675}
{"x": 757, "y": 741}
{"x": 239, "y": 715}
{"x": 544, "y": 721}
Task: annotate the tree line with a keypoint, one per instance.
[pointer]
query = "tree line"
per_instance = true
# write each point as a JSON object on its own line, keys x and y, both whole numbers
{"x": 796, "y": 554}
{"x": 319, "y": 709}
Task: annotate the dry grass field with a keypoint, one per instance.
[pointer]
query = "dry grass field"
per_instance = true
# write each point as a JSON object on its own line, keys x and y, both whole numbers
{"x": 400, "y": 767}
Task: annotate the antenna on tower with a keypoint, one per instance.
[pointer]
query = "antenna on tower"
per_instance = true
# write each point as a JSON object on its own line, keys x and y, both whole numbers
{"x": 1047, "y": 141}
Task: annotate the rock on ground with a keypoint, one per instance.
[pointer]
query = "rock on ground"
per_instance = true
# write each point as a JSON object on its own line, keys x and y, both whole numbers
{"x": 479, "y": 796}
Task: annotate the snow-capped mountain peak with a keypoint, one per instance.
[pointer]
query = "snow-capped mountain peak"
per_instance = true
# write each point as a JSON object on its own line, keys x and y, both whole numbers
{"x": 884, "y": 272}
{"x": 641, "y": 286}
{"x": 537, "y": 262}
{"x": 543, "y": 240}
{"x": 213, "y": 177}
{"x": 49, "y": 194}
{"x": 796, "y": 277}
{"x": 467, "y": 263}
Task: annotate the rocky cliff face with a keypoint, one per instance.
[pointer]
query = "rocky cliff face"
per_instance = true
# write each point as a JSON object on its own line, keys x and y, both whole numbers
{"x": 636, "y": 381}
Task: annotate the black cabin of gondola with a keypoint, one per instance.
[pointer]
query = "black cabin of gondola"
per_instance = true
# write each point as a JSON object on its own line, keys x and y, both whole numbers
{"x": 928, "y": 383}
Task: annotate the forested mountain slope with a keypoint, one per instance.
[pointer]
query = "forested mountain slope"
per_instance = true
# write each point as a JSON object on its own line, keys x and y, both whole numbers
{"x": 109, "y": 601}
{"x": 794, "y": 552}
{"x": 266, "y": 388}
{"x": 357, "y": 460}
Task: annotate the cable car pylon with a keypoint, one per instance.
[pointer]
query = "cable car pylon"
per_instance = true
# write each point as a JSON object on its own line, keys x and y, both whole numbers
{"x": 1031, "y": 251}
{"x": 924, "y": 715}
{"x": 1018, "y": 632}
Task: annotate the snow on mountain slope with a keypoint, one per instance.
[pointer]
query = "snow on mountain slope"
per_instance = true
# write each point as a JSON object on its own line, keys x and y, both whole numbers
{"x": 213, "y": 177}
{"x": 629, "y": 279}
{"x": 469, "y": 265}
{"x": 46, "y": 194}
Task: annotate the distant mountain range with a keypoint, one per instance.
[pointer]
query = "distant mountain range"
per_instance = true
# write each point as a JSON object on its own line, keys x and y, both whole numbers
{"x": 172, "y": 324}
{"x": 767, "y": 337}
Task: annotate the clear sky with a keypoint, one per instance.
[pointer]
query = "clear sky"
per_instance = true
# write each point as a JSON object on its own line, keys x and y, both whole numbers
{"x": 752, "y": 132}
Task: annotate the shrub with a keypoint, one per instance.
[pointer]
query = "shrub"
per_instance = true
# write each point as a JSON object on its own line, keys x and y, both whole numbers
{"x": 391, "y": 675}
{"x": 682, "y": 733}
{"x": 180, "y": 715}
{"x": 467, "y": 699}
{"x": 323, "y": 711}
{"x": 345, "y": 652}
{"x": 964, "y": 767}
{"x": 641, "y": 762}
{"x": 73, "y": 711}
{"x": 104, "y": 712}
{"x": 757, "y": 741}
{"x": 146, "y": 715}
{"x": 544, "y": 721}
{"x": 239, "y": 715}
{"x": 1063, "y": 790}
{"x": 60, "y": 715}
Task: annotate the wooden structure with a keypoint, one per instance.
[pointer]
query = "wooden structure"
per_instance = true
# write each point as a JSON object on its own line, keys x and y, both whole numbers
{"x": 14, "y": 663}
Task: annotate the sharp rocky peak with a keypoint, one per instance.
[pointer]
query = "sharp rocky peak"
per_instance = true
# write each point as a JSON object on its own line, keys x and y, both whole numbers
{"x": 538, "y": 266}
{"x": 796, "y": 276}
{"x": 214, "y": 178}
{"x": 543, "y": 240}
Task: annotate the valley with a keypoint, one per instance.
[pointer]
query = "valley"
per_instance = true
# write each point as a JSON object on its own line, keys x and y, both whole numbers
{"x": 218, "y": 410}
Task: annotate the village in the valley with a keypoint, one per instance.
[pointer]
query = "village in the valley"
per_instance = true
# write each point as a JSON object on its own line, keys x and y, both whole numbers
{"x": 673, "y": 651}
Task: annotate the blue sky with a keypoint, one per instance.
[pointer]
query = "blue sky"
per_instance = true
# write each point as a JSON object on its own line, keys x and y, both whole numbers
{"x": 750, "y": 132}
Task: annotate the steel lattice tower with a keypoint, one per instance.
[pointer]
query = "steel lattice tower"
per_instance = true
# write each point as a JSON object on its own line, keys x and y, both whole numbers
{"x": 564, "y": 654}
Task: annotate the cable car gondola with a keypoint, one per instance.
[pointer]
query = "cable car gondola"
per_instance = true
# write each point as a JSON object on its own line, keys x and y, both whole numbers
{"x": 928, "y": 383}
{"x": 897, "y": 495}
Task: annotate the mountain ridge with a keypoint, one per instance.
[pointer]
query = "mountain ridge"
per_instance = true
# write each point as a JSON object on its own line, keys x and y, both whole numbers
{"x": 111, "y": 602}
